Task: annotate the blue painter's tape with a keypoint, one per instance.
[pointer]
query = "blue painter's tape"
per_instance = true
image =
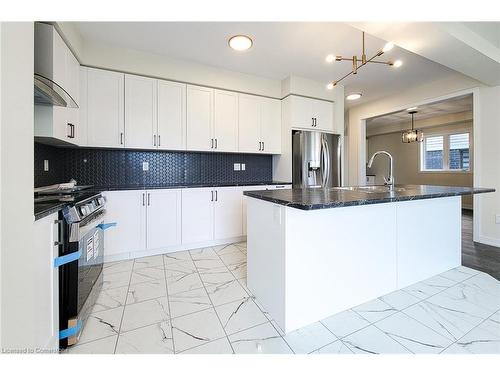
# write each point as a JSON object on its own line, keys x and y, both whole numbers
{"x": 106, "y": 225}
{"x": 65, "y": 333}
{"x": 59, "y": 261}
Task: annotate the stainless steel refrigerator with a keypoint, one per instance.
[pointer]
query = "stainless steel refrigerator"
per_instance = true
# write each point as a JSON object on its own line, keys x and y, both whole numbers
{"x": 315, "y": 159}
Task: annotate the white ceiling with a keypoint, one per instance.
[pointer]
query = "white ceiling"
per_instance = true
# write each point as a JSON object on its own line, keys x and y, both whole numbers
{"x": 279, "y": 50}
{"x": 445, "y": 107}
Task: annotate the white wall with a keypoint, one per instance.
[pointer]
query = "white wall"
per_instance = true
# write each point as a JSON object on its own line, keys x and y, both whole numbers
{"x": 486, "y": 135}
{"x": 407, "y": 161}
{"x": 487, "y": 156}
{"x": 414, "y": 96}
{"x": 16, "y": 185}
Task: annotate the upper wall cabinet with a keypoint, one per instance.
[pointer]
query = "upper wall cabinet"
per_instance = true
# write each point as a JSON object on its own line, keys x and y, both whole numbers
{"x": 55, "y": 61}
{"x": 104, "y": 110}
{"x": 225, "y": 131}
{"x": 311, "y": 113}
{"x": 259, "y": 124}
{"x": 140, "y": 112}
{"x": 199, "y": 118}
{"x": 171, "y": 115}
{"x": 212, "y": 119}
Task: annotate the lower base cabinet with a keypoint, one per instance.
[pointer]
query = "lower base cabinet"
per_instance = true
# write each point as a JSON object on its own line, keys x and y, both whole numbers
{"x": 126, "y": 208}
{"x": 166, "y": 220}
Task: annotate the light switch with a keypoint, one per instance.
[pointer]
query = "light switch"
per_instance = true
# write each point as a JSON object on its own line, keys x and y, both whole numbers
{"x": 46, "y": 165}
{"x": 242, "y": 166}
{"x": 237, "y": 166}
{"x": 145, "y": 166}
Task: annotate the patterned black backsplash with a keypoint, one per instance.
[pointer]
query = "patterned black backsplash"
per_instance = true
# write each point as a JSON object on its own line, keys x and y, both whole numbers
{"x": 103, "y": 167}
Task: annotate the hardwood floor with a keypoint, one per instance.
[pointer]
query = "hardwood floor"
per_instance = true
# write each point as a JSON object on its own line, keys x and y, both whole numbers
{"x": 475, "y": 255}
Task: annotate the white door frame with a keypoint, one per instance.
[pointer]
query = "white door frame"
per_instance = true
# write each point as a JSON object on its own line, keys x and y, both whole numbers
{"x": 476, "y": 130}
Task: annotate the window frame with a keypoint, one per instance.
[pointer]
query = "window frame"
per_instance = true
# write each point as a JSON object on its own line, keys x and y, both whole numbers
{"x": 446, "y": 151}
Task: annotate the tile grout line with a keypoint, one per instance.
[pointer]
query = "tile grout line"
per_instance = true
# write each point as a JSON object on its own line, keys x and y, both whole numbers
{"x": 168, "y": 304}
{"x": 210, "y": 299}
{"x": 123, "y": 312}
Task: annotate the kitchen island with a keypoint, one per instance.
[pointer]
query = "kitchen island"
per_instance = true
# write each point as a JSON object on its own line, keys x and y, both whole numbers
{"x": 315, "y": 252}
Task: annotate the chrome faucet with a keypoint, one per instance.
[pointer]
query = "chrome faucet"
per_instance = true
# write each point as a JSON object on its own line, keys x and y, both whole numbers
{"x": 389, "y": 181}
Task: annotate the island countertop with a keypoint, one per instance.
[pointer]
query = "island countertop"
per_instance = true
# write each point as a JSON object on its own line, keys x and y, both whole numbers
{"x": 317, "y": 198}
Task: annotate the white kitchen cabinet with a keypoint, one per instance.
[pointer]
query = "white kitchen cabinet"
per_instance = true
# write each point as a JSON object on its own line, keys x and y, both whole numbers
{"x": 127, "y": 208}
{"x": 271, "y": 125}
{"x": 163, "y": 220}
{"x": 253, "y": 188}
{"x": 54, "y": 60}
{"x": 171, "y": 115}
{"x": 200, "y": 103}
{"x": 225, "y": 130}
{"x": 259, "y": 124}
{"x": 140, "y": 112}
{"x": 212, "y": 119}
{"x": 311, "y": 113}
{"x": 104, "y": 108}
{"x": 228, "y": 212}
{"x": 197, "y": 215}
{"x": 249, "y": 134}
{"x": 47, "y": 286}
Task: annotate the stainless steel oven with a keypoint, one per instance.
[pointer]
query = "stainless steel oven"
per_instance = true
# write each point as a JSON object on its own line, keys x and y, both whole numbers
{"x": 80, "y": 275}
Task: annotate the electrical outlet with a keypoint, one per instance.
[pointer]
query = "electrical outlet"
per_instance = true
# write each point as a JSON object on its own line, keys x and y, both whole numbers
{"x": 46, "y": 165}
{"x": 237, "y": 166}
{"x": 497, "y": 219}
{"x": 242, "y": 166}
{"x": 145, "y": 166}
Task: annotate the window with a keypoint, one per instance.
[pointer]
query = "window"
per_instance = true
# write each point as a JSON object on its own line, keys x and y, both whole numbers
{"x": 445, "y": 152}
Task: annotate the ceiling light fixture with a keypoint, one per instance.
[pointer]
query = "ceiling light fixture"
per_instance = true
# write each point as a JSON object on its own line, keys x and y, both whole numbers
{"x": 329, "y": 86}
{"x": 240, "y": 42}
{"x": 354, "y": 96}
{"x": 363, "y": 60}
{"x": 411, "y": 109}
{"x": 330, "y": 58}
{"x": 413, "y": 135}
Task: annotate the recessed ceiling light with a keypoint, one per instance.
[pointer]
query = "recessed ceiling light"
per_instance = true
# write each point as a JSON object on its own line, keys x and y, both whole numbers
{"x": 354, "y": 96}
{"x": 397, "y": 63}
{"x": 240, "y": 42}
{"x": 329, "y": 86}
{"x": 388, "y": 46}
{"x": 412, "y": 109}
{"x": 330, "y": 58}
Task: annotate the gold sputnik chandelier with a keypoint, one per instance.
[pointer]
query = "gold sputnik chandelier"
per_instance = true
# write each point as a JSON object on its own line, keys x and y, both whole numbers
{"x": 358, "y": 63}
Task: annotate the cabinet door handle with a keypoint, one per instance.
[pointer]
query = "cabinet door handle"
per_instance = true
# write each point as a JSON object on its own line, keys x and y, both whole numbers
{"x": 260, "y": 146}
{"x": 212, "y": 196}
{"x": 143, "y": 199}
{"x": 212, "y": 143}
{"x": 154, "y": 140}
{"x": 216, "y": 195}
{"x": 159, "y": 140}
{"x": 215, "y": 142}
{"x": 72, "y": 130}
{"x": 263, "y": 146}
{"x": 121, "y": 138}
{"x": 149, "y": 199}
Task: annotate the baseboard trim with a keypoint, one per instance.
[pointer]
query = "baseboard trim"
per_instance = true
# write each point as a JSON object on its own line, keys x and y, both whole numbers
{"x": 489, "y": 241}
{"x": 168, "y": 250}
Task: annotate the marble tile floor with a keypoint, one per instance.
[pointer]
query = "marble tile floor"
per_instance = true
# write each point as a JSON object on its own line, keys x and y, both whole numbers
{"x": 197, "y": 302}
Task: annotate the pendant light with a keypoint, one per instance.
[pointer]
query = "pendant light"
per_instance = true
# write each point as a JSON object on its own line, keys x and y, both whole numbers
{"x": 413, "y": 135}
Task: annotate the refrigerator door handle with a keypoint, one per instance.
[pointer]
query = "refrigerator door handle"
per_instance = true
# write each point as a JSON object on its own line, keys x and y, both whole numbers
{"x": 326, "y": 162}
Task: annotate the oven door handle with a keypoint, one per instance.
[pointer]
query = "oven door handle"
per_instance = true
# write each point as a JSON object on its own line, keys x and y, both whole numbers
{"x": 105, "y": 226}
{"x": 68, "y": 258}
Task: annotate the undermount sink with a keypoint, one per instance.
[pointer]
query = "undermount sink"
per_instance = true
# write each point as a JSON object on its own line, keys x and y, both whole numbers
{"x": 371, "y": 189}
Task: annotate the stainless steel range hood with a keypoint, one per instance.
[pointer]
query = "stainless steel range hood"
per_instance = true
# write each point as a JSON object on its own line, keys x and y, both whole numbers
{"x": 47, "y": 92}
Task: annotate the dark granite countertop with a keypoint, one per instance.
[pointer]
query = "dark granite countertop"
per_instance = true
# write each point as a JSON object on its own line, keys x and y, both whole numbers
{"x": 313, "y": 199}
{"x": 47, "y": 208}
{"x": 185, "y": 185}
